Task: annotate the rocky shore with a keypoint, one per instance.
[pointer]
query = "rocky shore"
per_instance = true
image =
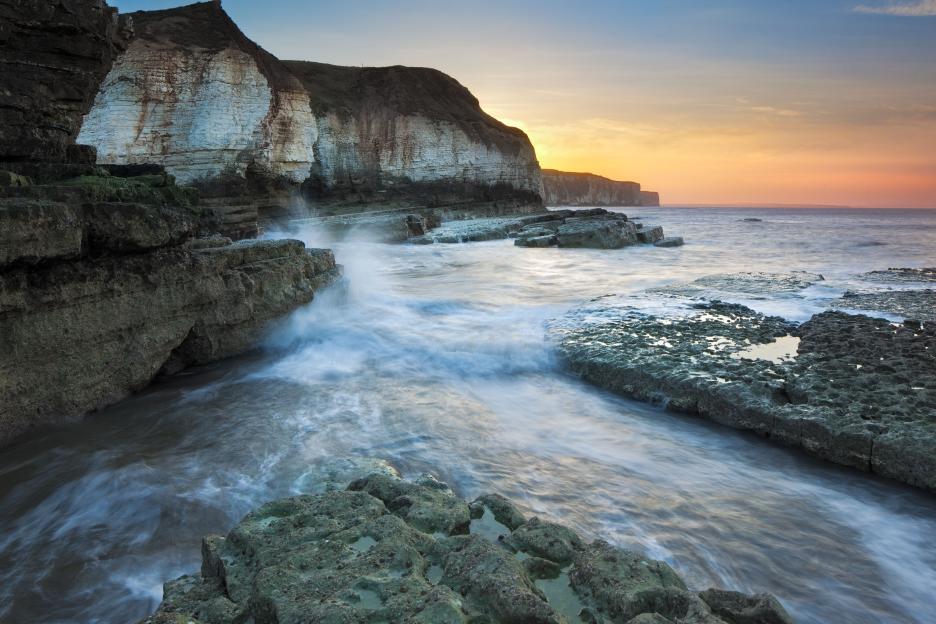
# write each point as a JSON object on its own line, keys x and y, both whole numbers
{"x": 112, "y": 275}
{"x": 389, "y": 550}
{"x": 97, "y": 298}
{"x": 595, "y": 228}
{"x": 856, "y": 390}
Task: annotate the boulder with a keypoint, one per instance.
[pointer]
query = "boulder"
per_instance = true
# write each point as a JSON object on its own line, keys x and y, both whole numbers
{"x": 596, "y": 233}
{"x": 650, "y": 233}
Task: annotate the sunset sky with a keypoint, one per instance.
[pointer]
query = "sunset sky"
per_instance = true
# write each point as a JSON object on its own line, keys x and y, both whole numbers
{"x": 725, "y": 101}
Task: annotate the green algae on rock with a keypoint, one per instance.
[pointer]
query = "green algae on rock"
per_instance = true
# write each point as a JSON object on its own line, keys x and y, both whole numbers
{"x": 388, "y": 550}
{"x": 860, "y": 391}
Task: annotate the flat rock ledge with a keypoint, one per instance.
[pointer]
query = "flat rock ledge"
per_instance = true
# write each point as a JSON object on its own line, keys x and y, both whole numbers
{"x": 98, "y": 298}
{"x": 388, "y": 550}
{"x": 595, "y": 228}
{"x": 856, "y": 390}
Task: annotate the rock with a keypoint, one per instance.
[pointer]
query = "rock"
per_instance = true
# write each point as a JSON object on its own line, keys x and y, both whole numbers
{"x": 8, "y": 178}
{"x": 597, "y": 234}
{"x": 742, "y": 609}
{"x": 120, "y": 294}
{"x": 857, "y": 391}
{"x": 733, "y": 285}
{"x": 670, "y": 241}
{"x": 53, "y": 56}
{"x": 650, "y": 234}
{"x": 911, "y": 304}
{"x": 33, "y": 231}
{"x": 194, "y": 95}
{"x": 903, "y": 275}
{"x": 384, "y": 128}
{"x": 537, "y": 241}
{"x": 353, "y": 557}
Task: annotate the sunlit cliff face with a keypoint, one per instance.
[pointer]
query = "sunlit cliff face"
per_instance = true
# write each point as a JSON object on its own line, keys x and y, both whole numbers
{"x": 828, "y": 102}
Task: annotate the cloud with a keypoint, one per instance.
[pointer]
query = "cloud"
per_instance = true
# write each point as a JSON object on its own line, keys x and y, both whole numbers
{"x": 917, "y": 8}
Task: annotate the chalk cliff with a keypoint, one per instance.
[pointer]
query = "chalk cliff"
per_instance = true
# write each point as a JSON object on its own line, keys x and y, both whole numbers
{"x": 193, "y": 94}
{"x": 563, "y": 188}
{"x": 382, "y": 127}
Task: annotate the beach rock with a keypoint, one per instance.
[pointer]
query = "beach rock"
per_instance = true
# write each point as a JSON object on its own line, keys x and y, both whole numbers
{"x": 852, "y": 389}
{"x": 597, "y": 233}
{"x": 650, "y": 234}
{"x": 910, "y": 304}
{"x": 670, "y": 241}
{"x": 97, "y": 299}
{"x": 359, "y": 556}
{"x": 903, "y": 275}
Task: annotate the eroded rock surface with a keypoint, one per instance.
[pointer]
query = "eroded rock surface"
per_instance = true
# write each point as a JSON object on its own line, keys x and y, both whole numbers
{"x": 97, "y": 297}
{"x": 856, "y": 390}
{"x": 53, "y": 56}
{"x": 910, "y": 304}
{"x": 387, "y": 550}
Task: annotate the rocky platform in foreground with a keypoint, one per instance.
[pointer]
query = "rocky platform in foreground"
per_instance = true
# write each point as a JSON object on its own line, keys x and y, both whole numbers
{"x": 594, "y": 228}
{"x": 563, "y": 188}
{"x": 388, "y": 550}
{"x": 856, "y": 390}
{"x": 98, "y": 297}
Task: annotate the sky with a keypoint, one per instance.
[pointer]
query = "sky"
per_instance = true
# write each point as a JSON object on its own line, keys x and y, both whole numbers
{"x": 721, "y": 101}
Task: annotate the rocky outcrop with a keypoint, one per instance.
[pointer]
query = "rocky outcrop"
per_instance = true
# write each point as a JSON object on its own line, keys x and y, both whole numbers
{"x": 856, "y": 390}
{"x": 563, "y": 188}
{"x": 411, "y": 131}
{"x": 388, "y": 550}
{"x": 53, "y": 56}
{"x": 594, "y": 228}
{"x": 96, "y": 298}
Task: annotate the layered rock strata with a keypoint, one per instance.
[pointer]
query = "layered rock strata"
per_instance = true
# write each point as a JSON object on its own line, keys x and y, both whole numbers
{"x": 53, "y": 56}
{"x": 387, "y": 550}
{"x": 96, "y": 298}
{"x": 416, "y": 132}
{"x": 856, "y": 390}
{"x": 562, "y": 188}
{"x": 193, "y": 94}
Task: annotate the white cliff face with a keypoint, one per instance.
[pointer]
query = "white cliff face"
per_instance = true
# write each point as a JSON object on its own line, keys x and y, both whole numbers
{"x": 419, "y": 149}
{"x": 199, "y": 113}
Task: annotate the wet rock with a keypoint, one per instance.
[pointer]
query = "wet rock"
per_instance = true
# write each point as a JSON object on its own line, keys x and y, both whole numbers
{"x": 348, "y": 557}
{"x": 120, "y": 294}
{"x": 537, "y": 241}
{"x": 903, "y": 275}
{"x": 504, "y": 511}
{"x": 430, "y": 507}
{"x": 858, "y": 391}
{"x": 597, "y": 234}
{"x": 650, "y": 234}
{"x": 738, "y": 608}
{"x": 911, "y": 304}
{"x": 670, "y": 241}
{"x": 727, "y": 285}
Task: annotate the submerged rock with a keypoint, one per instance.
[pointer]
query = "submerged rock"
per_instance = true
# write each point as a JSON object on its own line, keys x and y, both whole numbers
{"x": 756, "y": 285}
{"x": 670, "y": 241}
{"x": 926, "y": 274}
{"x": 855, "y": 390}
{"x": 388, "y": 550}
